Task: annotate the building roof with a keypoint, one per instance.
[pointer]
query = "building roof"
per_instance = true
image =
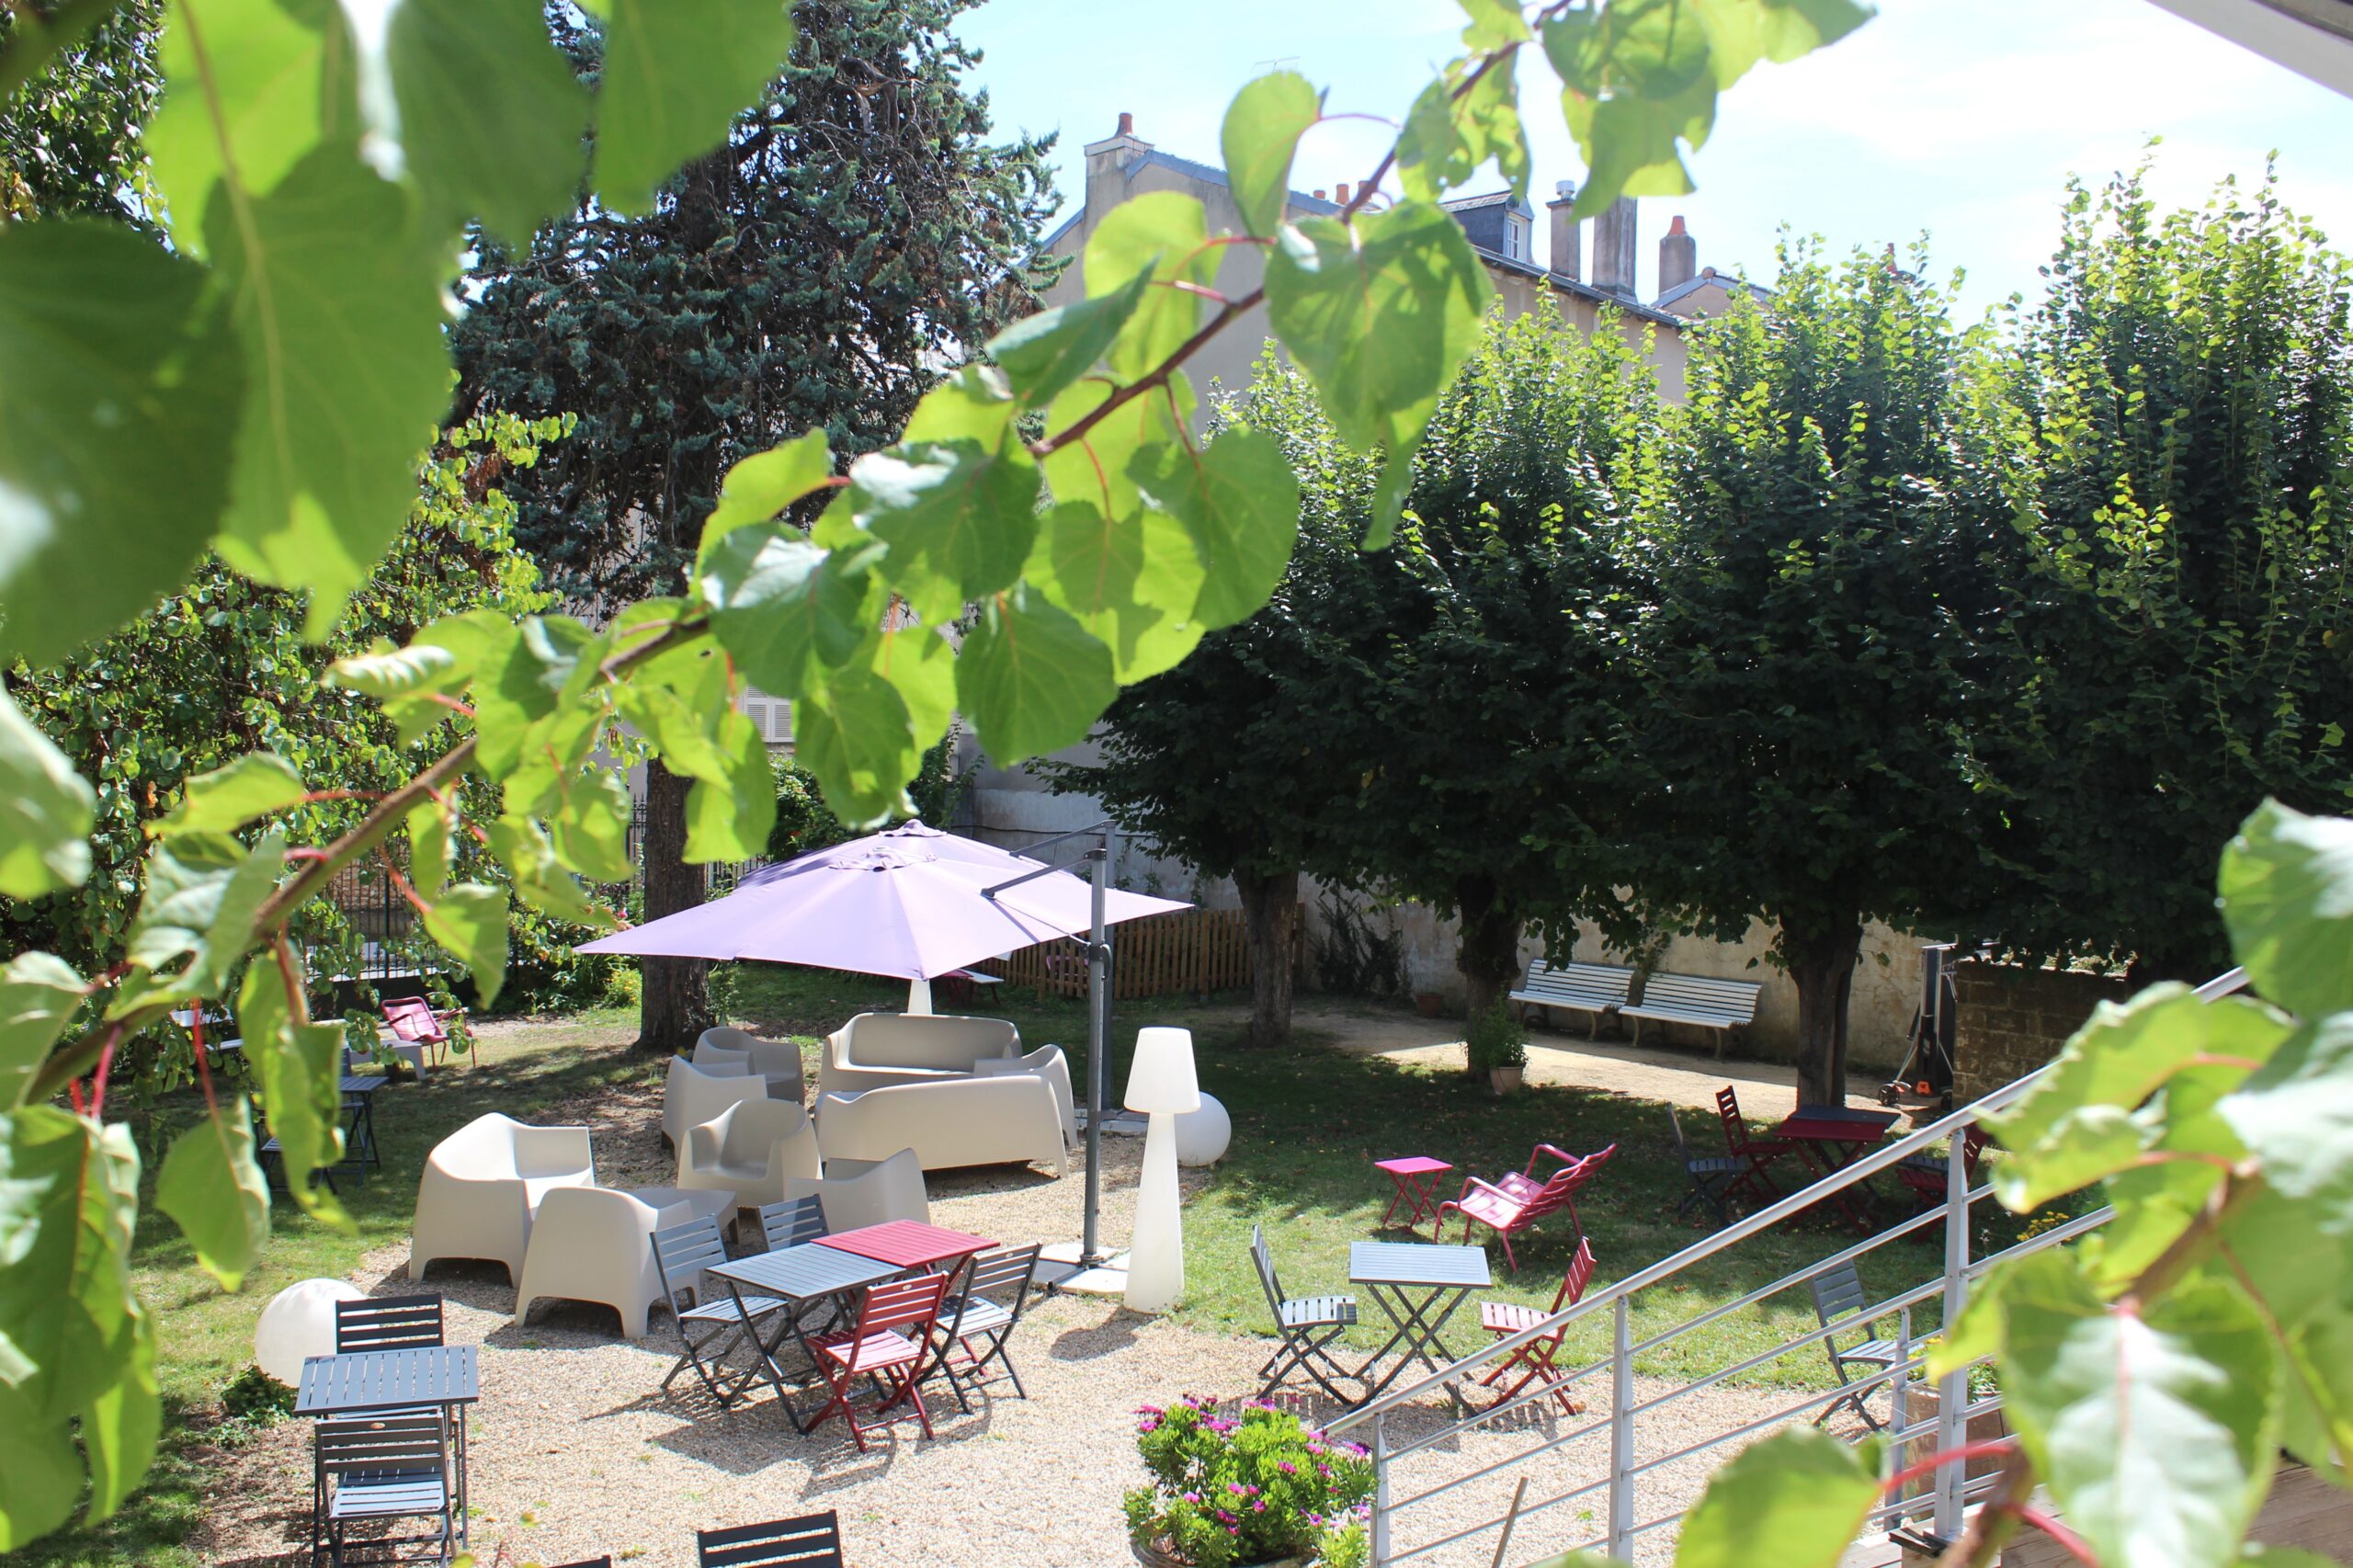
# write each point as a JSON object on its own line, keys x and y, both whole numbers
{"x": 1713, "y": 280}
{"x": 1469, "y": 203}
{"x": 1207, "y": 173}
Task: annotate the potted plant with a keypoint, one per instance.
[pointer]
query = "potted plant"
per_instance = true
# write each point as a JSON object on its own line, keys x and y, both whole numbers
{"x": 1498, "y": 1045}
{"x": 1257, "y": 1488}
{"x": 1430, "y": 1003}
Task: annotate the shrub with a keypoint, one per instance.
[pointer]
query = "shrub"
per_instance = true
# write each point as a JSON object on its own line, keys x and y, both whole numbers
{"x": 1495, "y": 1039}
{"x": 1229, "y": 1491}
{"x": 254, "y": 1395}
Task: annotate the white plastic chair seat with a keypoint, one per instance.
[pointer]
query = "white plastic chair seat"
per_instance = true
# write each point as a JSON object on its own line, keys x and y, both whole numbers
{"x": 691, "y": 1097}
{"x": 595, "y": 1245}
{"x": 749, "y": 1151}
{"x": 886, "y": 1190}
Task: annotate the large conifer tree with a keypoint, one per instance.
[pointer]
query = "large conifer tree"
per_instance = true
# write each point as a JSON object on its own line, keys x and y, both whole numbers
{"x": 860, "y": 233}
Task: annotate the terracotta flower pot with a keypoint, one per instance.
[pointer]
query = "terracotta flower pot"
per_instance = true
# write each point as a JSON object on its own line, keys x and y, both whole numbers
{"x": 1504, "y": 1080}
{"x": 1430, "y": 1003}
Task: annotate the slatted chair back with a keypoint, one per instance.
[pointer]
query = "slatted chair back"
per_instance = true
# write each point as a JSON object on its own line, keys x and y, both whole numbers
{"x": 813, "y": 1540}
{"x": 680, "y": 1255}
{"x": 1003, "y": 1276}
{"x": 794, "y": 1223}
{"x": 1573, "y": 1283}
{"x": 387, "y": 1322}
{"x": 1682, "y": 1144}
{"x": 1736, "y": 1136}
{"x": 1836, "y": 1292}
{"x": 1265, "y": 1263}
{"x": 380, "y": 1445}
{"x": 911, "y": 1303}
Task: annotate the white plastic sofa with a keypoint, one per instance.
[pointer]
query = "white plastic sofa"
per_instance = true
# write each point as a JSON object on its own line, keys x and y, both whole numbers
{"x": 1048, "y": 1063}
{"x": 948, "y": 1123}
{"x": 691, "y": 1097}
{"x": 876, "y": 1051}
{"x": 483, "y": 1184}
{"x": 595, "y": 1243}
{"x": 875, "y": 1194}
{"x": 748, "y": 1150}
{"x": 778, "y": 1061}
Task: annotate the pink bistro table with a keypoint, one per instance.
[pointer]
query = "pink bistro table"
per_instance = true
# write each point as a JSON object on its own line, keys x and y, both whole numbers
{"x": 1412, "y": 1175}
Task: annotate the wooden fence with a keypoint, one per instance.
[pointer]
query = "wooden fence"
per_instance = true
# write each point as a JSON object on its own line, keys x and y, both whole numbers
{"x": 1161, "y": 955}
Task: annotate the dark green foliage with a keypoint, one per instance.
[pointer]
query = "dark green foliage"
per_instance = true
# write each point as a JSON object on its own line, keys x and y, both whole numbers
{"x": 70, "y": 143}
{"x": 254, "y": 1395}
{"x": 1820, "y": 645}
{"x": 803, "y": 821}
{"x": 2177, "y": 626}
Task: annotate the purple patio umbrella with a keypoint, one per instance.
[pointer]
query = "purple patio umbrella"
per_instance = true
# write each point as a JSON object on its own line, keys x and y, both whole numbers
{"x": 911, "y": 902}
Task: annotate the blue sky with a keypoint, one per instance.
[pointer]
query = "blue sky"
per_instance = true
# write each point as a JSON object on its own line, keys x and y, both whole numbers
{"x": 1958, "y": 117}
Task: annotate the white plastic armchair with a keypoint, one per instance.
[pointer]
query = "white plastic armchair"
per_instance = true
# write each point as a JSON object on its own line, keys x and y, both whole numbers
{"x": 691, "y": 1097}
{"x": 885, "y": 1190}
{"x": 483, "y": 1184}
{"x": 778, "y": 1061}
{"x": 748, "y": 1150}
{"x": 595, "y": 1244}
{"x": 962, "y": 1120}
{"x": 724, "y": 1060}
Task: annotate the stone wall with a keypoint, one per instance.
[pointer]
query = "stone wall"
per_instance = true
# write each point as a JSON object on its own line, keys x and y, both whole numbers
{"x": 2012, "y": 1019}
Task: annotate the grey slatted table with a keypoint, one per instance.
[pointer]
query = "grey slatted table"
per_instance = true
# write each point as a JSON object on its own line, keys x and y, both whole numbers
{"x": 359, "y": 1099}
{"x": 797, "y": 1275}
{"x": 1419, "y": 1286}
{"x": 448, "y": 1376}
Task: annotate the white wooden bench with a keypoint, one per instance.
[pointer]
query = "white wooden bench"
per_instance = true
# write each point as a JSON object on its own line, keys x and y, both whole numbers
{"x": 1593, "y": 988}
{"x": 1722, "y": 1006}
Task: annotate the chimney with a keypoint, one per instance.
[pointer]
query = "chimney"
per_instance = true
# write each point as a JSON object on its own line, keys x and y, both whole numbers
{"x": 1340, "y": 193}
{"x": 1317, "y": 193}
{"x": 1568, "y": 234}
{"x": 1613, "y": 249}
{"x": 1679, "y": 256}
{"x": 1127, "y": 123}
{"x": 1109, "y": 164}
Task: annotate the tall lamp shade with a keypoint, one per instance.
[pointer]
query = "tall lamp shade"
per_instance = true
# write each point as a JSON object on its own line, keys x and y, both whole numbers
{"x": 1161, "y": 1084}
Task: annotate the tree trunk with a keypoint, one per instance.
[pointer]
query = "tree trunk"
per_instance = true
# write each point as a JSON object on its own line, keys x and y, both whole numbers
{"x": 1270, "y": 905}
{"x": 1822, "y": 957}
{"x": 1489, "y": 954}
{"x": 674, "y": 1006}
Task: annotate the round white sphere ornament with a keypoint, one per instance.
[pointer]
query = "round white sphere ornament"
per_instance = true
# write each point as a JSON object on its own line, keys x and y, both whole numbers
{"x": 300, "y": 1322}
{"x": 1203, "y": 1135}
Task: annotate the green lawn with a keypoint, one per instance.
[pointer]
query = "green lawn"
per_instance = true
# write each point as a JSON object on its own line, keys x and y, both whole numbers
{"x": 1308, "y": 1120}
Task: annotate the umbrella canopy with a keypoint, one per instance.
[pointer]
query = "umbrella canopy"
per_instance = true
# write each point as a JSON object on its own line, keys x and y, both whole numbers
{"x": 909, "y": 902}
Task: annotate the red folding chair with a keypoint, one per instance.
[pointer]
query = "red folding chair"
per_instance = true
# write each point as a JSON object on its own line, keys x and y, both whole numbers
{"x": 874, "y": 1347}
{"x": 1753, "y": 1182}
{"x": 1504, "y": 1319}
{"x": 1509, "y": 1213}
{"x": 413, "y": 1019}
{"x": 1923, "y": 1176}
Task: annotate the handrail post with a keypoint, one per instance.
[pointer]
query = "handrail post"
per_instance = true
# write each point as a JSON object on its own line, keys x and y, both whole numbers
{"x": 1380, "y": 1490}
{"x": 1952, "y": 1392}
{"x": 1622, "y": 1433}
{"x": 1899, "y": 1396}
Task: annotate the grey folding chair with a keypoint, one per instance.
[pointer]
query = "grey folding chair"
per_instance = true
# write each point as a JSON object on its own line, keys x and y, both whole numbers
{"x": 1307, "y": 1326}
{"x": 980, "y": 1322}
{"x": 379, "y": 1469}
{"x": 387, "y": 1323}
{"x": 1836, "y": 1292}
{"x": 813, "y": 1540}
{"x": 709, "y": 1322}
{"x": 1712, "y": 1176}
{"x": 792, "y": 1222}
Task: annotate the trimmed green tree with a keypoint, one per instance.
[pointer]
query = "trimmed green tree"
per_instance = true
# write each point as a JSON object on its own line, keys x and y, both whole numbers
{"x": 1822, "y": 538}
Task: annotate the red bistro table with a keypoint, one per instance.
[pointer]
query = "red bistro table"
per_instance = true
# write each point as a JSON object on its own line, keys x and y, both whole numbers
{"x": 1412, "y": 1177}
{"x": 1829, "y": 1137}
{"x": 907, "y": 1244}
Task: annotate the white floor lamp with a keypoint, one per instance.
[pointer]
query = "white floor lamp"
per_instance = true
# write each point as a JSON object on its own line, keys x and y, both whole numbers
{"x": 1161, "y": 1084}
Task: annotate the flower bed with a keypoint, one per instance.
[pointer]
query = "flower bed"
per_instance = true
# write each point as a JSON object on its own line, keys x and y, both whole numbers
{"x": 1257, "y": 1488}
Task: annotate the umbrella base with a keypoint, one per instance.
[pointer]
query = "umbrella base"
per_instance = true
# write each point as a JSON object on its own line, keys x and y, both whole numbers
{"x": 1062, "y": 1268}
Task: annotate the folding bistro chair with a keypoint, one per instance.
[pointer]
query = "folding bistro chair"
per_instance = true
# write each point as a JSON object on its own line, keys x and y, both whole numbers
{"x": 1712, "y": 1176}
{"x": 1504, "y": 1319}
{"x": 387, "y": 1322}
{"x": 981, "y": 1316}
{"x": 1754, "y": 1152}
{"x": 1837, "y": 1291}
{"x": 792, "y": 1222}
{"x": 1307, "y": 1326}
{"x": 709, "y": 1322}
{"x": 1923, "y": 1176}
{"x": 874, "y": 1347}
{"x": 382, "y": 1468}
{"x": 1508, "y": 1210}
{"x": 812, "y": 1541}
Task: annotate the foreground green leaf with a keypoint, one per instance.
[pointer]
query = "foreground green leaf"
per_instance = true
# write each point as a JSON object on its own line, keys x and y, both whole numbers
{"x": 2155, "y": 1430}
{"x": 853, "y": 732}
{"x": 1801, "y": 1489}
{"x": 1239, "y": 501}
{"x": 2287, "y": 882}
{"x": 1043, "y": 354}
{"x": 760, "y": 487}
{"x": 2297, "y": 1115}
{"x": 1031, "y": 678}
{"x": 254, "y": 786}
{"x": 203, "y": 897}
{"x": 958, "y": 516}
{"x": 469, "y": 922}
{"x": 1133, "y": 584}
{"x": 338, "y": 310}
{"x": 779, "y": 602}
{"x": 677, "y": 72}
{"x": 1161, "y": 236}
{"x": 491, "y": 115}
{"x": 122, "y": 1426}
{"x": 46, "y": 810}
{"x": 213, "y": 1188}
{"x": 116, "y": 410}
{"x": 1262, "y": 129}
{"x": 729, "y": 814}
{"x": 39, "y": 994}
{"x": 1379, "y": 316}
{"x": 298, "y": 1070}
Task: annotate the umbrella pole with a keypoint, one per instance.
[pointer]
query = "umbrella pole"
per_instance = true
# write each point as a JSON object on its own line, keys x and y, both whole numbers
{"x": 1098, "y": 1031}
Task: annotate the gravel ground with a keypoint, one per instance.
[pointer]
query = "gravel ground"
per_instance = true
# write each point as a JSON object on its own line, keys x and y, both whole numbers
{"x": 576, "y": 1453}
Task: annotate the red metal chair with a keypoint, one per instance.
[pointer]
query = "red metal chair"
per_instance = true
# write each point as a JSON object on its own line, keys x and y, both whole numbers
{"x": 1509, "y": 1213}
{"x": 1504, "y": 1319}
{"x": 874, "y": 1347}
{"x": 412, "y": 1018}
{"x": 1923, "y": 1175}
{"x": 1753, "y": 1182}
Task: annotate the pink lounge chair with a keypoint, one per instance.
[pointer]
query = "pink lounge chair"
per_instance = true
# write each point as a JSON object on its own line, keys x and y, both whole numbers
{"x": 1517, "y": 1202}
{"x": 413, "y": 1019}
